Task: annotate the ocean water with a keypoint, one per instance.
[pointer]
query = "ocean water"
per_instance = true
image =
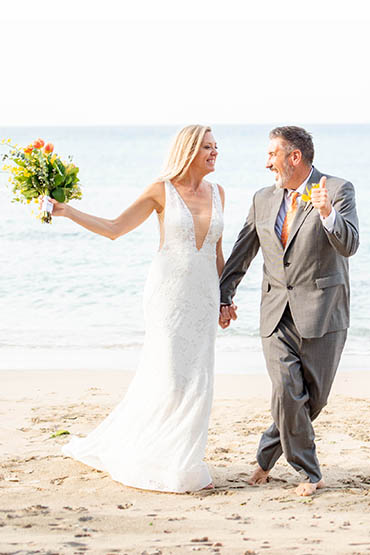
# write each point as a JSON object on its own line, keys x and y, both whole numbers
{"x": 70, "y": 298}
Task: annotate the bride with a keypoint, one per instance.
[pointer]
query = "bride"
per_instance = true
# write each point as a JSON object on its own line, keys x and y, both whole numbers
{"x": 156, "y": 437}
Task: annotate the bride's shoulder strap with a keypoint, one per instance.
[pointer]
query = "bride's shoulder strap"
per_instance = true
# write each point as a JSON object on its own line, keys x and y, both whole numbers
{"x": 217, "y": 193}
{"x": 216, "y": 188}
{"x": 168, "y": 184}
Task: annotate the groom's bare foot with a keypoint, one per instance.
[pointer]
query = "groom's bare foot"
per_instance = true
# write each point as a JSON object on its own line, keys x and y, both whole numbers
{"x": 305, "y": 489}
{"x": 258, "y": 477}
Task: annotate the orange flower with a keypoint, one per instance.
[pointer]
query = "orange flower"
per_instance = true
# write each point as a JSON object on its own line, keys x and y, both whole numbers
{"x": 39, "y": 143}
{"x": 49, "y": 148}
{"x": 28, "y": 149}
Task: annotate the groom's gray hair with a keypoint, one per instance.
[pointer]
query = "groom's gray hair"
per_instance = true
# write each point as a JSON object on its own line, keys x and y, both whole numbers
{"x": 297, "y": 138}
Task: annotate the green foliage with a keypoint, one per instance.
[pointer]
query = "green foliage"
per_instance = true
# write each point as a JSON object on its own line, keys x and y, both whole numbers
{"x": 58, "y": 194}
{"x": 60, "y": 433}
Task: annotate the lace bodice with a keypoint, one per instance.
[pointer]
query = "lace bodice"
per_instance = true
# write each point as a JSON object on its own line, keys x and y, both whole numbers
{"x": 179, "y": 230}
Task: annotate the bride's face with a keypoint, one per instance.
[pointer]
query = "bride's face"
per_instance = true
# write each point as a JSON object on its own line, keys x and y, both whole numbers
{"x": 206, "y": 158}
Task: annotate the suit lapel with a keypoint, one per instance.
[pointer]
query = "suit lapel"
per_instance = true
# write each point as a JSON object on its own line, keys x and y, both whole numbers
{"x": 304, "y": 209}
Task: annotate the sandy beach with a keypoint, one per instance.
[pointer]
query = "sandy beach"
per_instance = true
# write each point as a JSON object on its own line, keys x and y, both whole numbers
{"x": 52, "y": 504}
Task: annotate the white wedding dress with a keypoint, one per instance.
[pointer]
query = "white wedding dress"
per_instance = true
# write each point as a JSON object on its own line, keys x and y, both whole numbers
{"x": 155, "y": 438}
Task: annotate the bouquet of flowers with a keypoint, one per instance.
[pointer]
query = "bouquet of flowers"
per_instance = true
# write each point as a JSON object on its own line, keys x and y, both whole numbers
{"x": 36, "y": 172}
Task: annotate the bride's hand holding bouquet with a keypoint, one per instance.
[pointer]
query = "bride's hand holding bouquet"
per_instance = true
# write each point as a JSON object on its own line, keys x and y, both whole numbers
{"x": 37, "y": 173}
{"x": 59, "y": 208}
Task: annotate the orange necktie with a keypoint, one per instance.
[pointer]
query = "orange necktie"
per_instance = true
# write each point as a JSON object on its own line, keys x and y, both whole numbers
{"x": 289, "y": 217}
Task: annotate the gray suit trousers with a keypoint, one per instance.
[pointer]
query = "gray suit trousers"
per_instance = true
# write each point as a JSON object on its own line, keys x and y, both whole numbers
{"x": 302, "y": 372}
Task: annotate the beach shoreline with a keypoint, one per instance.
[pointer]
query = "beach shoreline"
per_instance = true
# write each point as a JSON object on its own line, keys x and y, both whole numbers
{"x": 53, "y": 504}
{"x": 230, "y": 362}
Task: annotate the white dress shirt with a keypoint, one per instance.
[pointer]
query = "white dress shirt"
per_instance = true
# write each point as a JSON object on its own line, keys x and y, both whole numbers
{"x": 328, "y": 222}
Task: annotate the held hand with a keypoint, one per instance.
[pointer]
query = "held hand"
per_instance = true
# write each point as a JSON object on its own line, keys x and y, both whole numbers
{"x": 227, "y": 313}
{"x": 223, "y": 323}
{"x": 320, "y": 199}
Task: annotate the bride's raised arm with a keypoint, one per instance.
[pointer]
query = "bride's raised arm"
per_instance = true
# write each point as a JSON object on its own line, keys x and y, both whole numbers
{"x": 153, "y": 198}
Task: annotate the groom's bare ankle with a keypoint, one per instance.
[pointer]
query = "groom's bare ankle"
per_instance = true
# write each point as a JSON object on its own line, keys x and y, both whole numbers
{"x": 259, "y": 477}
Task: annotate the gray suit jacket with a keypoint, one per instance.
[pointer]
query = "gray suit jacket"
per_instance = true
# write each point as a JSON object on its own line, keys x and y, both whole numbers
{"x": 311, "y": 273}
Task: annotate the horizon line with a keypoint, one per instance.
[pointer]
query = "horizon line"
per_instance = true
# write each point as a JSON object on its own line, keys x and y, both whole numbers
{"x": 173, "y": 124}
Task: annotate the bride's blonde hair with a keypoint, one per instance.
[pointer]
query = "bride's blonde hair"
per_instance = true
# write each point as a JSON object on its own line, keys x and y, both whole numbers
{"x": 183, "y": 151}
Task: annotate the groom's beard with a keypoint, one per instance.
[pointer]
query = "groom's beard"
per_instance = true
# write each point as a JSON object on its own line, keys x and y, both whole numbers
{"x": 284, "y": 176}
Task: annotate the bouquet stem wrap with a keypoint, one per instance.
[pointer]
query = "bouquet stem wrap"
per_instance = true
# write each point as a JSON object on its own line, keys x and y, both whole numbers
{"x": 46, "y": 210}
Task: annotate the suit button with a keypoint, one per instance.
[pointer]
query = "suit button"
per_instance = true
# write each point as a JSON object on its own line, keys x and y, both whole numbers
{"x": 290, "y": 287}
{"x": 286, "y": 264}
{"x": 338, "y": 234}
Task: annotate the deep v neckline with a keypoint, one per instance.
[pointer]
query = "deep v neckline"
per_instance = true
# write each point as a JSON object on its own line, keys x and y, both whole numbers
{"x": 192, "y": 217}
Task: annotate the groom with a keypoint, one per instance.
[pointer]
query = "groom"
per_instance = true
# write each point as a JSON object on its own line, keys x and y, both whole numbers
{"x": 306, "y": 235}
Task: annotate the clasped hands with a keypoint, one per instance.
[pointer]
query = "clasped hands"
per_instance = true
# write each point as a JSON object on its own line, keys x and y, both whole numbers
{"x": 227, "y": 313}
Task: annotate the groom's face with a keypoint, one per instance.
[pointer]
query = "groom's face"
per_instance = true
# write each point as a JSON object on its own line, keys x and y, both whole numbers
{"x": 279, "y": 162}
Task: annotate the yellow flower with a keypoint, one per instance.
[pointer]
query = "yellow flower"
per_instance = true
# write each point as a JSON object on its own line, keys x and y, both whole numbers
{"x": 307, "y": 198}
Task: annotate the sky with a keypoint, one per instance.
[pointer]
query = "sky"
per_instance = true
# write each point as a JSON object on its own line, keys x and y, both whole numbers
{"x": 119, "y": 62}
